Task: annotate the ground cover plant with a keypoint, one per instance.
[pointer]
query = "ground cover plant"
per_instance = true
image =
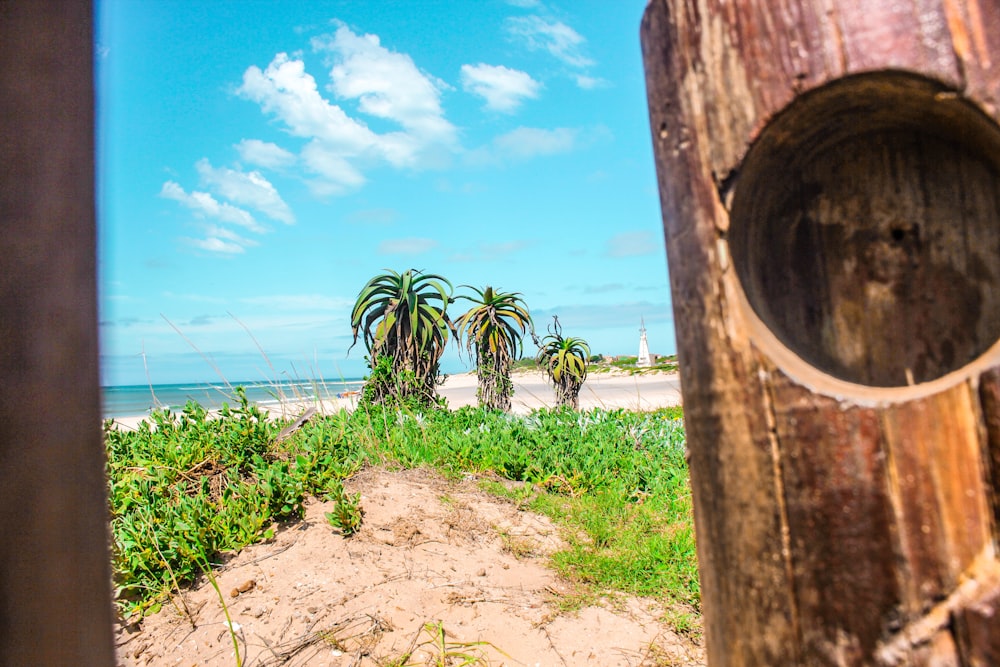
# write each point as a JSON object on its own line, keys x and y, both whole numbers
{"x": 187, "y": 489}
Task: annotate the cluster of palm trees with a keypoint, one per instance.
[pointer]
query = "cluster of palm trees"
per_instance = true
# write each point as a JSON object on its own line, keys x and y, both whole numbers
{"x": 404, "y": 322}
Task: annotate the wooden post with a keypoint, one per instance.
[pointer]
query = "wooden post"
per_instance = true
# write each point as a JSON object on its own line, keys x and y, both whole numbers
{"x": 55, "y": 597}
{"x": 830, "y": 184}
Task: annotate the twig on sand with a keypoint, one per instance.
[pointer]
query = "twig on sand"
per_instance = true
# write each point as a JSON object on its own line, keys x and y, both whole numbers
{"x": 364, "y": 630}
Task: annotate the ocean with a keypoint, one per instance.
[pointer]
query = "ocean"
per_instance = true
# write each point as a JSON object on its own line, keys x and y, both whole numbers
{"x": 131, "y": 400}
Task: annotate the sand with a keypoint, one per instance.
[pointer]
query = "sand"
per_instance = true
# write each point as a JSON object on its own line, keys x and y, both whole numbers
{"x": 429, "y": 551}
{"x": 601, "y": 390}
{"x": 531, "y": 391}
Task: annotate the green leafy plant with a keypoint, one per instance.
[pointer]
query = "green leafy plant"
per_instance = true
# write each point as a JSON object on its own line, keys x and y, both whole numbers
{"x": 493, "y": 329}
{"x": 565, "y": 362}
{"x": 402, "y": 319}
{"x": 443, "y": 651}
{"x": 347, "y": 514}
{"x": 186, "y": 486}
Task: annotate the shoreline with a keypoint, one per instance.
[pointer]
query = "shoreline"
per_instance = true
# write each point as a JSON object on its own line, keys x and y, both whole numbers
{"x": 532, "y": 391}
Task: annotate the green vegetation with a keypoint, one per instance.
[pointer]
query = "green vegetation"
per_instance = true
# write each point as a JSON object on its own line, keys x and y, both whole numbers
{"x": 666, "y": 364}
{"x": 493, "y": 329}
{"x": 526, "y": 364}
{"x": 443, "y": 651}
{"x": 403, "y": 320}
{"x": 565, "y": 362}
{"x": 347, "y": 512}
{"x": 598, "y": 364}
{"x": 188, "y": 488}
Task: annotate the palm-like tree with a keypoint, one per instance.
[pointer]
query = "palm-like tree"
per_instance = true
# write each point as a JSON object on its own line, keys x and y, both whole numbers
{"x": 565, "y": 361}
{"x": 493, "y": 328}
{"x": 405, "y": 326}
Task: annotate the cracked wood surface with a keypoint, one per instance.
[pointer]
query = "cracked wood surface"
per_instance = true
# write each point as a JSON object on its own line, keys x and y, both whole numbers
{"x": 841, "y": 519}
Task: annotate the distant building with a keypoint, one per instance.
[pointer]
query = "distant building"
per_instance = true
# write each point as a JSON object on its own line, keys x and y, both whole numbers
{"x": 643, "y": 359}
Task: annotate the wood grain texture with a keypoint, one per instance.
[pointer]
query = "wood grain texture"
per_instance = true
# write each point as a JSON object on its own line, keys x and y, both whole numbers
{"x": 834, "y": 526}
{"x": 735, "y": 488}
{"x": 977, "y": 626}
{"x": 841, "y": 521}
{"x": 989, "y": 396}
{"x": 890, "y": 192}
{"x": 944, "y": 521}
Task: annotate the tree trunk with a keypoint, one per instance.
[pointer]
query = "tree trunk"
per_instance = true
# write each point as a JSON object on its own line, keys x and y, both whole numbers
{"x": 495, "y": 387}
{"x": 830, "y": 184}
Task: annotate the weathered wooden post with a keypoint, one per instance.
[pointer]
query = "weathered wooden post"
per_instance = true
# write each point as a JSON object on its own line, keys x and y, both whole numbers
{"x": 830, "y": 184}
{"x": 55, "y": 588}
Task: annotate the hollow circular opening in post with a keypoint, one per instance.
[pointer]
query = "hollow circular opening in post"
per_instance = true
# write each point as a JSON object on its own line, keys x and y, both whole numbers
{"x": 865, "y": 229}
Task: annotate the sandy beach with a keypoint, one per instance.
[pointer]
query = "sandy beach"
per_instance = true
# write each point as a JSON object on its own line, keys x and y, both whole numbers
{"x": 531, "y": 392}
{"x": 601, "y": 390}
{"x": 431, "y": 550}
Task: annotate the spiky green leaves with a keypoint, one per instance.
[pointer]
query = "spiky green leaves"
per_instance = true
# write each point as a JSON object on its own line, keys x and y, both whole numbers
{"x": 565, "y": 361}
{"x": 403, "y": 317}
{"x": 408, "y": 309}
{"x": 493, "y": 329}
{"x": 495, "y": 323}
{"x": 566, "y": 356}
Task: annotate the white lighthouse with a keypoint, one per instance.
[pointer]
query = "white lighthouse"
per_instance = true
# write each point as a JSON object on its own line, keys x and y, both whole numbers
{"x": 643, "y": 359}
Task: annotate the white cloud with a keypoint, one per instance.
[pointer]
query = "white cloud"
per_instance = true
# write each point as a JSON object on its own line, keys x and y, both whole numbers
{"x": 633, "y": 244}
{"x": 556, "y": 37}
{"x": 264, "y": 154}
{"x": 286, "y": 91}
{"x": 337, "y": 175}
{"x": 221, "y": 241}
{"x": 229, "y": 235}
{"x": 527, "y": 142}
{"x": 250, "y": 189}
{"x": 385, "y": 84}
{"x": 503, "y": 88}
{"x": 589, "y": 82}
{"x": 217, "y": 245}
{"x": 206, "y": 205}
{"x": 411, "y": 246}
{"x": 524, "y": 143}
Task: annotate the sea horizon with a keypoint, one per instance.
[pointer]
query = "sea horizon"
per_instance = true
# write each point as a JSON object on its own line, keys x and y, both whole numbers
{"x": 119, "y": 401}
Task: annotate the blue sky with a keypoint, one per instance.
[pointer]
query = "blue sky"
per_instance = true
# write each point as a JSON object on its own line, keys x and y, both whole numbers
{"x": 260, "y": 161}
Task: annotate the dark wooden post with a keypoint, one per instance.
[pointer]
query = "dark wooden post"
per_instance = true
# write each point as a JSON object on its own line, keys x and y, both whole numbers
{"x": 830, "y": 184}
{"x": 55, "y": 598}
